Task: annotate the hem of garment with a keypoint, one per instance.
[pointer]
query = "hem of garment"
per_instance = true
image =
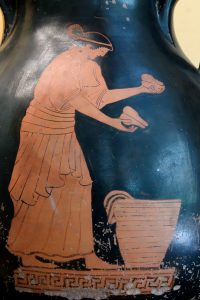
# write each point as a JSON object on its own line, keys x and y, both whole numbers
{"x": 50, "y": 256}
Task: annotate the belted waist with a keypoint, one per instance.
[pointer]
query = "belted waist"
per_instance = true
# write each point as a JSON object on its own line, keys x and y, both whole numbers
{"x": 39, "y": 119}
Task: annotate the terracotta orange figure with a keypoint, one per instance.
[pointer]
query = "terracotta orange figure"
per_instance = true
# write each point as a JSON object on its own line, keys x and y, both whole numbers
{"x": 51, "y": 185}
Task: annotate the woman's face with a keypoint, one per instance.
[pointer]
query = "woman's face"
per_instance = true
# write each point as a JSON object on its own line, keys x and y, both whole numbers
{"x": 101, "y": 51}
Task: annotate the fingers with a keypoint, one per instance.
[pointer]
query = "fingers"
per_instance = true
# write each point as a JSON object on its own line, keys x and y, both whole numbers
{"x": 154, "y": 89}
{"x": 153, "y": 85}
{"x": 126, "y": 121}
{"x": 131, "y": 121}
{"x": 131, "y": 115}
{"x": 140, "y": 121}
{"x": 134, "y": 119}
{"x": 126, "y": 127}
{"x": 130, "y": 129}
{"x": 161, "y": 89}
{"x": 149, "y": 78}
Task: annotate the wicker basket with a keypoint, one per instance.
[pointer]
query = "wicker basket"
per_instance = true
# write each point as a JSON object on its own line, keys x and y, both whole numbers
{"x": 144, "y": 228}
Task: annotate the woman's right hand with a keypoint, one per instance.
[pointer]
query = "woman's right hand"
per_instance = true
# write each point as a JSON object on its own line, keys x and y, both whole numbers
{"x": 131, "y": 117}
{"x": 117, "y": 124}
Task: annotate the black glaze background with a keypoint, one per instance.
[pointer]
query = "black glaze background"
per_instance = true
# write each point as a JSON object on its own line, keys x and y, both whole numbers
{"x": 159, "y": 162}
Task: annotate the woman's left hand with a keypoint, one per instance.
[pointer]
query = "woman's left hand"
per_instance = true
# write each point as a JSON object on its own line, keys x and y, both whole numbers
{"x": 151, "y": 85}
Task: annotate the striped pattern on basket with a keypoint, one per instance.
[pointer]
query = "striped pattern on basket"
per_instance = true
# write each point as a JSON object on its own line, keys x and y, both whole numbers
{"x": 144, "y": 228}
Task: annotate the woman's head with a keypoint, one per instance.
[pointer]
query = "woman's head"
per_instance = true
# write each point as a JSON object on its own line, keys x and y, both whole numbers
{"x": 88, "y": 51}
{"x": 95, "y": 43}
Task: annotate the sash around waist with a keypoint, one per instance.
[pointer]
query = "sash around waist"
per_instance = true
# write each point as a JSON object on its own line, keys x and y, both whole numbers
{"x": 46, "y": 121}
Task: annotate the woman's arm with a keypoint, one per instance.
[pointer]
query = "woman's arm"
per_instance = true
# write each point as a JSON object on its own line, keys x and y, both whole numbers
{"x": 152, "y": 86}
{"x": 112, "y": 96}
{"x": 149, "y": 85}
{"x": 88, "y": 109}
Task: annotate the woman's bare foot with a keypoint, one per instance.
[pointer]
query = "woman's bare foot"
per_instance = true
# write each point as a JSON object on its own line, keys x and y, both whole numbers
{"x": 32, "y": 261}
{"x": 93, "y": 262}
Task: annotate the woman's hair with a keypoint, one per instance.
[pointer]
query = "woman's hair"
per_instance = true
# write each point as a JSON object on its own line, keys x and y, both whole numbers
{"x": 95, "y": 39}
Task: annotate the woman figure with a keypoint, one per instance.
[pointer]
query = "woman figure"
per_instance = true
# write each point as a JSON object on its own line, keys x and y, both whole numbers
{"x": 51, "y": 185}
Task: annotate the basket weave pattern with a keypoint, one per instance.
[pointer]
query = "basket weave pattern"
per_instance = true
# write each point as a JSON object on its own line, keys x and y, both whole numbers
{"x": 144, "y": 228}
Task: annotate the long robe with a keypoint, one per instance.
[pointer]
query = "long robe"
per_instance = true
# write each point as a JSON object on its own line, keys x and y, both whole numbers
{"x": 51, "y": 185}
